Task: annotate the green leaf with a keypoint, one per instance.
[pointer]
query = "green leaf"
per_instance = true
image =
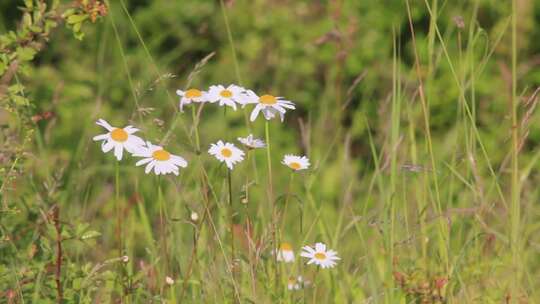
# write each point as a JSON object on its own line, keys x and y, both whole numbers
{"x": 19, "y": 100}
{"x": 16, "y": 88}
{"x": 27, "y": 19}
{"x": 3, "y": 67}
{"x": 90, "y": 235}
{"x": 25, "y": 53}
{"x": 35, "y": 29}
{"x": 73, "y": 19}
{"x": 29, "y": 4}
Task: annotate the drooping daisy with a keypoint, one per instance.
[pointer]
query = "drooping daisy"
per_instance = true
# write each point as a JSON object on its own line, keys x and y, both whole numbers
{"x": 252, "y": 143}
{"x": 226, "y": 152}
{"x": 269, "y": 105}
{"x": 320, "y": 256}
{"x": 296, "y": 163}
{"x": 159, "y": 159}
{"x": 191, "y": 95}
{"x": 228, "y": 96}
{"x": 285, "y": 253}
{"x": 119, "y": 139}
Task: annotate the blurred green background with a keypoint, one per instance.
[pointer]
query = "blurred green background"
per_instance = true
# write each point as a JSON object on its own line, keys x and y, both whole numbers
{"x": 340, "y": 62}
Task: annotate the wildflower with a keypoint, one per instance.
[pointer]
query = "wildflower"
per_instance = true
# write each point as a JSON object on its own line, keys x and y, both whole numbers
{"x": 251, "y": 143}
{"x": 194, "y": 216}
{"x": 269, "y": 105}
{"x": 169, "y": 280}
{"x": 159, "y": 159}
{"x": 226, "y": 152}
{"x": 296, "y": 283}
{"x": 125, "y": 259}
{"x": 320, "y": 256}
{"x": 285, "y": 253}
{"x": 296, "y": 163}
{"x": 226, "y": 96}
{"x": 119, "y": 139}
{"x": 191, "y": 95}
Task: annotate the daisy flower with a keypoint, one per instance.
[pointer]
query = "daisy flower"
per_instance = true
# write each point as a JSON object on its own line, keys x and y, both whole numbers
{"x": 191, "y": 95}
{"x": 119, "y": 139}
{"x": 285, "y": 253}
{"x": 251, "y": 143}
{"x": 159, "y": 159}
{"x": 320, "y": 256}
{"x": 226, "y": 152}
{"x": 269, "y": 105}
{"x": 228, "y": 96}
{"x": 296, "y": 163}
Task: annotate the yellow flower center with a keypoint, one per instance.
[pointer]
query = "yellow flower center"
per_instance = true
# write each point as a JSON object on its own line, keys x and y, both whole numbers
{"x": 193, "y": 93}
{"x": 320, "y": 256}
{"x": 286, "y": 247}
{"x": 226, "y": 94}
{"x": 119, "y": 135}
{"x": 268, "y": 99}
{"x": 295, "y": 165}
{"x": 226, "y": 152}
{"x": 161, "y": 155}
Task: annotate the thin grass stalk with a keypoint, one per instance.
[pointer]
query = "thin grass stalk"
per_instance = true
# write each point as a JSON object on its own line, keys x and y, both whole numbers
{"x": 119, "y": 231}
{"x": 231, "y": 219}
{"x": 287, "y": 198}
{"x": 394, "y": 140}
{"x": 442, "y": 229}
{"x": 234, "y": 56}
{"x": 271, "y": 200}
{"x": 515, "y": 187}
{"x": 196, "y": 129}
{"x": 248, "y": 225}
{"x": 163, "y": 228}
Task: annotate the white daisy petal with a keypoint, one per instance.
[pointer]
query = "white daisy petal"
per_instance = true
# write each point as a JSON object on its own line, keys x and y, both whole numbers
{"x": 149, "y": 167}
{"x": 107, "y": 146}
{"x": 118, "y": 151}
{"x": 100, "y": 137}
{"x": 143, "y": 161}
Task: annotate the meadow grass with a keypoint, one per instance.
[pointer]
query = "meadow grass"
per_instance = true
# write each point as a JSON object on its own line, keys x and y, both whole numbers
{"x": 424, "y": 157}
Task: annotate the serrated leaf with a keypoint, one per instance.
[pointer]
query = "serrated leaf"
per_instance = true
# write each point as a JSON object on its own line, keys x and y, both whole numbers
{"x": 25, "y": 53}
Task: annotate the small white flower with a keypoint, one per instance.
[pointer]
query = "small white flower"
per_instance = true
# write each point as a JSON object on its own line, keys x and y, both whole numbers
{"x": 125, "y": 259}
{"x": 320, "y": 256}
{"x": 169, "y": 280}
{"x": 296, "y": 283}
{"x": 191, "y": 95}
{"x": 229, "y": 96}
{"x": 119, "y": 139}
{"x": 285, "y": 253}
{"x": 269, "y": 105}
{"x": 226, "y": 152}
{"x": 159, "y": 159}
{"x": 251, "y": 143}
{"x": 296, "y": 162}
{"x": 194, "y": 216}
